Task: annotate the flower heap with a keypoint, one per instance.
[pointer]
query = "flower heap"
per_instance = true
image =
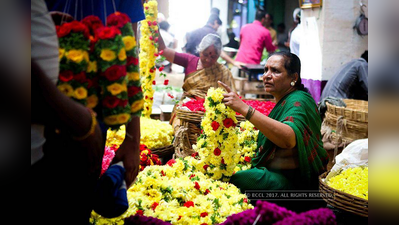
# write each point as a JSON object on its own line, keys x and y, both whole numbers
{"x": 218, "y": 143}
{"x": 111, "y": 55}
{"x": 122, "y": 22}
{"x": 178, "y": 194}
{"x": 148, "y": 51}
{"x": 114, "y": 139}
{"x": 74, "y": 59}
{"x": 354, "y": 181}
{"x": 154, "y": 133}
{"x": 92, "y": 23}
{"x": 147, "y": 158}
{"x": 247, "y": 137}
{"x": 270, "y": 213}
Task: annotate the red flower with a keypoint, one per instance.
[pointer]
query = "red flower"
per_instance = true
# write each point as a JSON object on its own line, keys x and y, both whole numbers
{"x": 166, "y": 82}
{"x": 93, "y": 23}
{"x": 192, "y": 175}
{"x": 117, "y": 19}
{"x": 77, "y": 26}
{"x": 65, "y": 76}
{"x": 163, "y": 173}
{"x": 140, "y": 212}
{"x": 245, "y": 200}
{"x": 107, "y": 32}
{"x": 149, "y": 22}
{"x": 215, "y": 125}
{"x": 154, "y": 23}
{"x": 154, "y": 205}
{"x": 80, "y": 77}
{"x": 217, "y": 151}
{"x": 123, "y": 103}
{"x": 63, "y": 30}
{"x": 189, "y": 204}
{"x": 170, "y": 96}
{"x": 131, "y": 60}
{"x": 115, "y": 72}
{"x": 196, "y": 185}
{"x": 247, "y": 159}
{"x": 154, "y": 82}
{"x": 204, "y": 214}
{"x": 160, "y": 52}
{"x": 111, "y": 102}
{"x": 228, "y": 122}
{"x": 133, "y": 90}
{"x": 171, "y": 162}
{"x": 161, "y": 69}
{"x": 205, "y": 167}
{"x": 207, "y": 191}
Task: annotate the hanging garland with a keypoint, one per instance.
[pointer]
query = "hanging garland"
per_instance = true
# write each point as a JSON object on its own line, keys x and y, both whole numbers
{"x": 148, "y": 50}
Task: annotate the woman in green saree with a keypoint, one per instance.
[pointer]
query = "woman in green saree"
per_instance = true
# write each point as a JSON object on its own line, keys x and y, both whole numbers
{"x": 290, "y": 152}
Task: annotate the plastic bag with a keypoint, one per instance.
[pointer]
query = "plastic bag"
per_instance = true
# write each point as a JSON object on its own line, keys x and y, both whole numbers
{"x": 354, "y": 155}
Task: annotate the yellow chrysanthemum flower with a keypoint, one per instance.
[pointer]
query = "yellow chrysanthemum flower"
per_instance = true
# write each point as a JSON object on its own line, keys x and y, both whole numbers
{"x": 61, "y": 53}
{"x": 75, "y": 55}
{"x": 80, "y": 93}
{"x": 111, "y": 120}
{"x": 130, "y": 42}
{"x": 116, "y": 88}
{"x": 122, "y": 54}
{"x": 123, "y": 118}
{"x": 66, "y": 89}
{"x": 133, "y": 76}
{"x": 107, "y": 55}
{"x": 92, "y": 101}
{"x": 137, "y": 105}
{"x": 92, "y": 67}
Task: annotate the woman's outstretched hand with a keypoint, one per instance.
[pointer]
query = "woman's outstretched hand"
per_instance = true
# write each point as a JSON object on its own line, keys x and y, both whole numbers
{"x": 232, "y": 100}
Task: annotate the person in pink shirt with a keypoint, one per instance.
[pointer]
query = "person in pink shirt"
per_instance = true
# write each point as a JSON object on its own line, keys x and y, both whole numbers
{"x": 254, "y": 37}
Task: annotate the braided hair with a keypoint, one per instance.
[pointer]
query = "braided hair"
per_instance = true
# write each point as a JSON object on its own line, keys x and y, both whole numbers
{"x": 292, "y": 64}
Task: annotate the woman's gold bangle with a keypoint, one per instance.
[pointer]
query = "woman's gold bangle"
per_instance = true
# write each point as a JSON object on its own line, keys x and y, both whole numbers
{"x": 92, "y": 127}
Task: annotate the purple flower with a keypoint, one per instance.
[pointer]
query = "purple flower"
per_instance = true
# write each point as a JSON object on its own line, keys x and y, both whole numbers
{"x": 322, "y": 216}
{"x": 137, "y": 219}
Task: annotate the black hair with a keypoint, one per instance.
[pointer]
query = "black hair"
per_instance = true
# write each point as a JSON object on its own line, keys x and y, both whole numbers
{"x": 260, "y": 14}
{"x": 292, "y": 64}
{"x": 282, "y": 25}
{"x": 212, "y": 19}
{"x": 365, "y": 55}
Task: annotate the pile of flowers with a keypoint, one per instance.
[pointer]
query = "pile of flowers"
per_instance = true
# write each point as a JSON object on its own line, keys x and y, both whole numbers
{"x": 147, "y": 158}
{"x": 74, "y": 59}
{"x": 218, "y": 143}
{"x": 154, "y": 133}
{"x": 148, "y": 51}
{"x": 265, "y": 107}
{"x": 270, "y": 213}
{"x": 177, "y": 193}
{"x": 114, "y": 139}
{"x": 354, "y": 181}
{"x": 247, "y": 137}
{"x": 135, "y": 95}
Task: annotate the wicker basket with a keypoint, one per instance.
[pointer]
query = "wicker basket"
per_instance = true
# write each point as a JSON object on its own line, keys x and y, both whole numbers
{"x": 164, "y": 151}
{"x": 343, "y": 200}
{"x": 349, "y": 123}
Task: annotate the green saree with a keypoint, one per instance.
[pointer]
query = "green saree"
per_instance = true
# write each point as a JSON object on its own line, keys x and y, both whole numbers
{"x": 299, "y": 111}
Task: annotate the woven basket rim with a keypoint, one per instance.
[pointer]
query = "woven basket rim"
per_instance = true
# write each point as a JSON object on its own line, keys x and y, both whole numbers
{"x": 163, "y": 150}
{"x": 356, "y": 206}
{"x": 329, "y": 105}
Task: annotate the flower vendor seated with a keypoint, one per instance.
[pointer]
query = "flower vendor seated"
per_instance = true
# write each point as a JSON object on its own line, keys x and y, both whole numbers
{"x": 290, "y": 151}
{"x": 201, "y": 72}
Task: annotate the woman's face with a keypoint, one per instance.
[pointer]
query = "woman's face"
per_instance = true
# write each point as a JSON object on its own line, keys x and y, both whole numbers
{"x": 276, "y": 79}
{"x": 209, "y": 56}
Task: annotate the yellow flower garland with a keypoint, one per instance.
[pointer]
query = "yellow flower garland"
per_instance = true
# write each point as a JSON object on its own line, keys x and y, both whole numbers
{"x": 148, "y": 48}
{"x": 154, "y": 133}
{"x": 247, "y": 138}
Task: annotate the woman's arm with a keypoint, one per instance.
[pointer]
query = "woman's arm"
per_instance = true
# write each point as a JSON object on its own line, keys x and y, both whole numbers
{"x": 279, "y": 133}
{"x": 168, "y": 53}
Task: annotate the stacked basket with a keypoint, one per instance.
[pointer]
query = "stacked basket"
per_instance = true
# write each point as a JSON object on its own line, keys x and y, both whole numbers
{"x": 343, "y": 125}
